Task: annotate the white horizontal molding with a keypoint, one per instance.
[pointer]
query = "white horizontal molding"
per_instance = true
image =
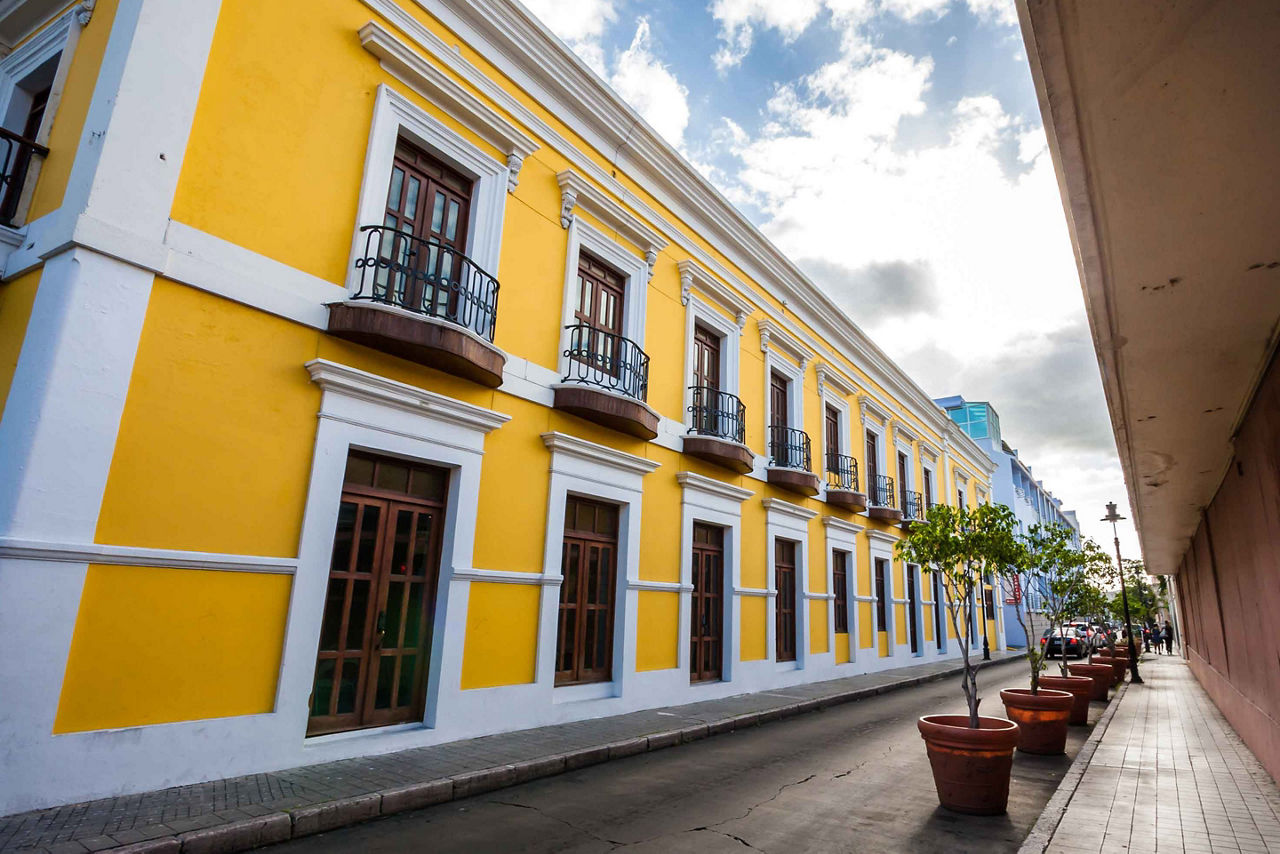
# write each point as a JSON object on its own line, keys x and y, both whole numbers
{"x": 710, "y": 486}
{"x": 881, "y": 536}
{"x": 863, "y": 598}
{"x": 658, "y": 586}
{"x": 774, "y": 338}
{"x": 828, "y": 596}
{"x": 928, "y": 451}
{"x": 904, "y": 434}
{"x": 833, "y": 523}
{"x": 506, "y": 576}
{"x": 754, "y": 591}
{"x": 441, "y": 90}
{"x": 830, "y": 377}
{"x": 871, "y": 409}
{"x": 786, "y": 508}
{"x": 577, "y": 193}
{"x": 694, "y": 276}
{"x": 363, "y": 385}
{"x": 17, "y": 549}
{"x": 572, "y": 446}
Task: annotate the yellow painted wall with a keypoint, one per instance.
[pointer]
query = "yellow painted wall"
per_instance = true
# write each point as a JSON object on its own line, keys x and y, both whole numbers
{"x": 200, "y": 462}
{"x": 502, "y": 635}
{"x": 16, "y": 300}
{"x": 842, "y": 648}
{"x": 866, "y": 626}
{"x": 754, "y": 612}
{"x": 657, "y": 630}
{"x": 73, "y": 107}
{"x": 161, "y": 645}
{"x": 882, "y": 643}
{"x": 818, "y": 625}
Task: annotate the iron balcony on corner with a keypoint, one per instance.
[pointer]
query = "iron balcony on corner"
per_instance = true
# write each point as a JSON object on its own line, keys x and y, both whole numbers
{"x": 607, "y": 381}
{"x": 424, "y": 301}
{"x": 717, "y": 430}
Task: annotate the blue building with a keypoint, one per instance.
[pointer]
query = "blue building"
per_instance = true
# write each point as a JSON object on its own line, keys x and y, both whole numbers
{"x": 1014, "y": 486}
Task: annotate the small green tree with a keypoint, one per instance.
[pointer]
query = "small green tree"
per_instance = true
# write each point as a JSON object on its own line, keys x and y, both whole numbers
{"x": 958, "y": 544}
{"x": 1068, "y": 587}
{"x": 1047, "y": 554}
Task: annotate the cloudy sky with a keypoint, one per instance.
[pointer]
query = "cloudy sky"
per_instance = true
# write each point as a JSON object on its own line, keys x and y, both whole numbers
{"x": 894, "y": 149}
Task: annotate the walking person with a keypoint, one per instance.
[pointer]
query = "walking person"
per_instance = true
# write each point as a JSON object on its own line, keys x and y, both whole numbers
{"x": 1168, "y": 637}
{"x": 1156, "y": 638}
{"x": 1146, "y": 638}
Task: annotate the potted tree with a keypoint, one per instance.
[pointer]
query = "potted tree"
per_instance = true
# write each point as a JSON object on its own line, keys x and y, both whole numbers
{"x": 1065, "y": 576}
{"x": 971, "y": 756}
{"x": 1087, "y": 597}
{"x": 1041, "y": 713}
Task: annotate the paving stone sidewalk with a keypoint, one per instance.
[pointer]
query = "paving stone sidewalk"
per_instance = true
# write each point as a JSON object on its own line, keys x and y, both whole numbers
{"x": 1170, "y": 775}
{"x": 239, "y": 813}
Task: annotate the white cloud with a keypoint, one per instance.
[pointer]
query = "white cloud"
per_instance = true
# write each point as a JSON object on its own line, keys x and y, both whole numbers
{"x": 1000, "y": 12}
{"x": 578, "y": 23}
{"x": 648, "y": 86}
{"x": 739, "y": 18}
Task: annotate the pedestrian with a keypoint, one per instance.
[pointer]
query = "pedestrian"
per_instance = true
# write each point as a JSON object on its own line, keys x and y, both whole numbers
{"x": 1168, "y": 637}
{"x": 1146, "y": 638}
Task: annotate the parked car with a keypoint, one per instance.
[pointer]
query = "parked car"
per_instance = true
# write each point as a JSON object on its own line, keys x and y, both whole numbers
{"x": 1064, "y": 642}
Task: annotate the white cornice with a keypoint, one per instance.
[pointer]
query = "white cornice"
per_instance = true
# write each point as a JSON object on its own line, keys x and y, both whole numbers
{"x": 408, "y": 65}
{"x": 838, "y": 524}
{"x": 881, "y": 536}
{"x": 578, "y": 192}
{"x": 872, "y": 409}
{"x": 563, "y": 443}
{"x": 903, "y": 433}
{"x": 928, "y": 450}
{"x": 829, "y": 376}
{"x": 343, "y": 379}
{"x": 786, "y": 508}
{"x": 774, "y": 337}
{"x": 711, "y": 486}
{"x": 692, "y": 275}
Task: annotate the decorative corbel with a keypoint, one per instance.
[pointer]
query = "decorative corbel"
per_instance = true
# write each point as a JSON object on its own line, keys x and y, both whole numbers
{"x": 514, "y": 162}
{"x": 764, "y": 340}
{"x": 85, "y": 11}
{"x": 742, "y": 319}
{"x": 651, "y": 258}
{"x": 568, "y": 200}
{"x": 686, "y": 286}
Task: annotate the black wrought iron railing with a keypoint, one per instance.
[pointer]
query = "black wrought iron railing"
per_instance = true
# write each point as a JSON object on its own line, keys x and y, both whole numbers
{"x": 15, "y": 161}
{"x": 789, "y": 448}
{"x": 842, "y": 472}
{"x": 881, "y": 493}
{"x": 426, "y": 277}
{"x": 912, "y": 505}
{"x": 606, "y": 360}
{"x": 717, "y": 413}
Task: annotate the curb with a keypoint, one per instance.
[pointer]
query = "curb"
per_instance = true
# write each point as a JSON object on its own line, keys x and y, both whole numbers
{"x": 1046, "y": 826}
{"x": 299, "y": 822}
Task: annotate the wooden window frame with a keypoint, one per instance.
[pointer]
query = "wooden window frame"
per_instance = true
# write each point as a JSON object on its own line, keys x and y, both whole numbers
{"x": 707, "y": 666}
{"x": 578, "y": 673}
{"x": 786, "y": 619}
{"x": 840, "y": 586}
{"x": 880, "y": 569}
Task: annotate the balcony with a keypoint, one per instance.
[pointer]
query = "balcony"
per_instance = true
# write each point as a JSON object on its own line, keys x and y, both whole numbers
{"x": 607, "y": 382}
{"x": 883, "y": 504}
{"x": 718, "y": 430}
{"x": 790, "y": 460}
{"x": 842, "y": 483}
{"x": 423, "y": 301}
{"x": 913, "y": 509}
{"x": 16, "y": 153}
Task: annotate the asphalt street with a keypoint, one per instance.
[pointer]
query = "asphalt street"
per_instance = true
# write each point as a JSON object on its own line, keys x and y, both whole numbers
{"x": 850, "y": 778}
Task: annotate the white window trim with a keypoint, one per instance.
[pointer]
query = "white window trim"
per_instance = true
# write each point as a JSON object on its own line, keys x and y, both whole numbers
{"x": 941, "y": 617}
{"x": 368, "y": 412}
{"x": 909, "y": 569}
{"x": 730, "y": 334}
{"x": 840, "y": 404}
{"x": 774, "y": 342}
{"x": 787, "y": 521}
{"x": 927, "y": 476}
{"x": 843, "y": 536}
{"x": 577, "y": 193}
{"x": 395, "y": 116}
{"x": 634, "y": 270}
{"x": 712, "y": 502}
{"x": 882, "y": 452}
{"x": 60, "y": 36}
{"x": 597, "y": 472}
{"x": 881, "y": 546}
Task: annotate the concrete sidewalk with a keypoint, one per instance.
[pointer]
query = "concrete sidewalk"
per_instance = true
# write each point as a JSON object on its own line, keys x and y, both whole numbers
{"x": 242, "y": 812}
{"x": 1169, "y": 775}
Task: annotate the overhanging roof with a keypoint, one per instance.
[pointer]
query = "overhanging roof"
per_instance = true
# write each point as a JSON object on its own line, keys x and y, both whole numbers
{"x": 1164, "y": 132}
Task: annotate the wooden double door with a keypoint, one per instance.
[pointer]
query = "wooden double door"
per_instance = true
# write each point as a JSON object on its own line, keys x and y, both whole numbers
{"x": 706, "y": 625}
{"x": 784, "y": 567}
{"x": 375, "y": 635}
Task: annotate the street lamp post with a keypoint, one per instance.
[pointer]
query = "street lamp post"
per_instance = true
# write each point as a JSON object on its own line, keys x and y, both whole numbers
{"x": 986, "y": 644}
{"x": 1113, "y": 517}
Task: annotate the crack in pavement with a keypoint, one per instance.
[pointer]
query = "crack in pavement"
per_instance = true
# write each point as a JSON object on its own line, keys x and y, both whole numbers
{"x": 753, "y": 807}
{"x": 615, "y": 843}
{"x": 738, "y": 839}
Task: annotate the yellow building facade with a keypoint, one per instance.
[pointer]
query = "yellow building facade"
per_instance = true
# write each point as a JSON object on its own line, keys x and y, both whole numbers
{"x": 374, "y": 377}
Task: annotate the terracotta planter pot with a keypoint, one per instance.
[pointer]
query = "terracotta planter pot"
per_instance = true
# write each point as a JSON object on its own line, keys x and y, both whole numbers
{"x": 1081, "y": 690}
{"x": 1101, "y": 675}
{"x": 1041, "y": 718}
{"x": 970, "y": 766}
{"x": 1116, "y": 664}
